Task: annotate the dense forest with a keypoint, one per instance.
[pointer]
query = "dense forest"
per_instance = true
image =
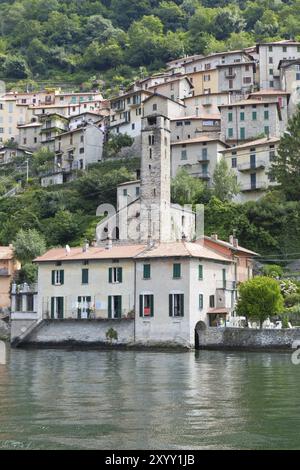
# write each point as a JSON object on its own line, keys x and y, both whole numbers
{"x": 114, "y": 41}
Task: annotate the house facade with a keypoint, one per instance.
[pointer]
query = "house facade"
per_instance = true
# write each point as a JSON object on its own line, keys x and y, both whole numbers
{"x": 8, "y": 267}
{"x": 252, "y": 162}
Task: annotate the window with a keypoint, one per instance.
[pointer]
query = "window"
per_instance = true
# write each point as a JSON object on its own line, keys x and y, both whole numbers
{"x": 207, "y": 78}
{"x": 146, "y": 305}
{"x": 270, "y": 48}
{"x": 57, "y": 308}
{"x": 84, "y": 307}
{"x": 242, "y": 133}
{"x": 200, "y": 301}
{"x": 30, "y": 303}
{"x": 284, "y": 49}
{"x": 183, "y": 155}
{"x": 151, "y": 139}
{"x": 271, "y": 84}
{"x": 297, "y": 76}
{"x": 224, "y": 278}
{"x": 230, "y": 83}
{"x": 272, "y": 155}
{"x": 154, "y": 107}
{"x": 147, "y": 271}
{"x": 271, "y": 71}
{"x": 137, "y": 191}
{"x": 19, "y": 303}
{"x": 234, "y": 162}
{"x": 115, "y": 275}
{"x": 176, "y": 305}
{"x": 270, "y": 60}
{"x": 133, "y": 126}
{"x": 230, "y": 132}
{"x": 242, "y": 116}
{"x": 179, "y": 123}
{"x": 176, "y": 271}
{"x": 81, "y": 150}
{"x": 114, "y": 306}
{"x": 58, "y": 277}
{"x": 254, "y": 116}
{"x": 230, "y": 115}
{"x": 247, "y": 80}
{"x": 204, "y": 153}
{"x": 266, "y": 115}
{"x": 85, "y": 276}
{"x": 267, "y": 130}
{"x": 125, "y": 192}
{"x": 211, "y": 301}
{"x": 200, "y": 272}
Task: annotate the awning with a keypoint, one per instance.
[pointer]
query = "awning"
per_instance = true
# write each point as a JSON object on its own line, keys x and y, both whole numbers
{"x": 218, "y": 311}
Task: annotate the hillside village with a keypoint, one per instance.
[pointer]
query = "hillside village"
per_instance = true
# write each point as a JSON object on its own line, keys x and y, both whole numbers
{"x": 201, "y": 110}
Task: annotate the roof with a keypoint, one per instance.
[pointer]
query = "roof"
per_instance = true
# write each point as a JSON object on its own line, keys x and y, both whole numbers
{"x": 218, "y": 311}
{"x": 6, "y": 252}
{"x": 228, "y": 245}
{"x": 198, "y": 140}
{"x": 138, "y": 251}
{"x": 269, "y": 91}
{"x": 253, "y": 143}
{"x": 155, "y": 95}
{"x": 130, "y": 93}
{"x": 177, "y": 79}
{"x": 247, "y": 103}
{"x": 31, "y": 124}
{"x": 287, "y": 42}
{"x": 201, "y": 117}
{"x": 126, "y": 183}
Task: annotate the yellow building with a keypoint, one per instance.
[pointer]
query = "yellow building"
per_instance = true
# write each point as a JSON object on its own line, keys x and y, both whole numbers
{"x": 8, "y": 267}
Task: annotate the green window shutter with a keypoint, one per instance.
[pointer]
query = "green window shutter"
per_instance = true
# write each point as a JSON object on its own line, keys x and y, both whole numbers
{"x": 52, "y": 306}
{"x": 170, "y": 305}
{"x": 62, "y": 277}
{"x": 224, "y": 278}
{"x": 109, "y": 307}
{"x": 176, "y": 270}
{"x": 119, "y": 306}
{"x": 79, "y": 308}
{"x": 201, "y": 301}
{"x": 254, "y": 116}
{"x": 85, "y": 276}
{"x": 147, "y": 271}
{"x": 60, "y": 307}
{"x": 120, "y": 274}
{"x": 110, "y": 275}
{"x": 152, "y": 305}
{"x": 53, "y": 277}
{"x": 229, "y": 117}
{"x": 182, "y": 305}
{"x": 89, "y": 299}
{"x": 200, "y": 272}
{"x": 141, "y": 306}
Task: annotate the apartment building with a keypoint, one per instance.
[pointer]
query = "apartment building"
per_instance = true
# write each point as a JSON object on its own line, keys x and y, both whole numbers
{"x": 198, "y": 156}
{"x": 251, "y": 162}
{"x": 52, "y": 126}
{"x": 238, "y": 77}
{"x": 209, "y": 103}
{"x": 12, "y": 114}
{"x": 191, "y": 127}
{"x": 176, "y": 89}
{"x": 270, "y": 55}
{"x": 211, "y": 61}
{"x": 30, "y": 135}
{"x": 248, "y": 119}
{"x": 126, "y": 113}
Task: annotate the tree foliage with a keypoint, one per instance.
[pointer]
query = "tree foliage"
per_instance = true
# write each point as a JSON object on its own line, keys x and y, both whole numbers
{"x": 259, "y": 299}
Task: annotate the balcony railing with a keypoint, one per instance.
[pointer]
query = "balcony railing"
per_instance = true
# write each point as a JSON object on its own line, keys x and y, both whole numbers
{"x": 258, "y": 186}
{"x": 226, "y": 285}
{"x": 260, "y": 164}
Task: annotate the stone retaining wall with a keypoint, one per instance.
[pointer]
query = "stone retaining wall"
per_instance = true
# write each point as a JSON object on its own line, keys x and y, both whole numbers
{"x": 84, "y": 332}
{"x": 244, "y": 338}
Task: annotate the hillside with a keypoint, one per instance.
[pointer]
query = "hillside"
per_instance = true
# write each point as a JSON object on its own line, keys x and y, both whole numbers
{"x": 112, "y": 41}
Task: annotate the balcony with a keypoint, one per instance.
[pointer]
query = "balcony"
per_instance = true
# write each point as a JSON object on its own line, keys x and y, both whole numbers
{"x": 203, "y": 159}
{"x": 226, "y": 285}
{"x": 258, "y": 186}
{"x": 207, "y": 104}
{"x": 230, "y": 75}
{"x": 258, "y": 165}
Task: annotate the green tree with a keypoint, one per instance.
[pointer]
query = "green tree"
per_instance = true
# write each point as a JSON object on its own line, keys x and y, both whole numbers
{"x": 185, "y": 189}
{"x": 224, "y": 182}
{"x": 273, "y": 270}
{"x": 15, "y": 67}
{"x": 28, "y": 244}
{"x": 259, "y": 299}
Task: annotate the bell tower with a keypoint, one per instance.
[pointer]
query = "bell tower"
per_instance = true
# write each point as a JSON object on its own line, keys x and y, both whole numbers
{"x": 155, "y": 192}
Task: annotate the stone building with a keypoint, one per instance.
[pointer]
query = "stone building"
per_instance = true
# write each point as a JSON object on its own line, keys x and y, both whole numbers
{"x": 8, "y": 268}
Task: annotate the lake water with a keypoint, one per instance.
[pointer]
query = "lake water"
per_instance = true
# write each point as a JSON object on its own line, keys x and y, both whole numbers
{"x": 54, "y": 399}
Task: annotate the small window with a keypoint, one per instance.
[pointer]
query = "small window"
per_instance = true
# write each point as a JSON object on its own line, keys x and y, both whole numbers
{"x": 147, "y": 305}
{"x": 212, "y": 301}
{"x": 176, "y": 305}
{"x": 234, "y": 162}
{"x": 200, "y": 301}
{"x": 115, "y": 275}
{"x": 58, "y": 277}
{"x": 85, "y": 276}
{"x": 176, "y": 271}
{"x": 147, "y": 271}
{"x": 200, "y": 272}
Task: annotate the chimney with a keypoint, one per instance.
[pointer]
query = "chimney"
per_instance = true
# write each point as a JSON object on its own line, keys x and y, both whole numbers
{"x": 94, "y": 243}
{"x": 109, "y": 244}
{"x": 235, "y": 242}
{"x": 231, "y": 239}
{"x": 214, "y": 236}
{"x": 85, "y": 247}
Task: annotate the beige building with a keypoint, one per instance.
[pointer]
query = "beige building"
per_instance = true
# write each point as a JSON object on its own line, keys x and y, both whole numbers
{"x": 126, "y": 113}
{"x": 204, "y": 81}
{"x": 8, "y": 268}
{"x": 30, "y": 135}
{"x": 175, "y": 88}
{"x": 251, "y": 163}
{"x": 191, "y": 127}
{"x": 12, "y": 114}
{"x": 52, "y": 126}
{"x": 249, "y": 119}
{"x": 209, "y": 103}
{"x": 197, "y": 156}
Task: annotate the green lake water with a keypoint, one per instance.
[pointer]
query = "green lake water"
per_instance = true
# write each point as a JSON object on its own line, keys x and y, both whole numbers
{"x": 55, "y": 399}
